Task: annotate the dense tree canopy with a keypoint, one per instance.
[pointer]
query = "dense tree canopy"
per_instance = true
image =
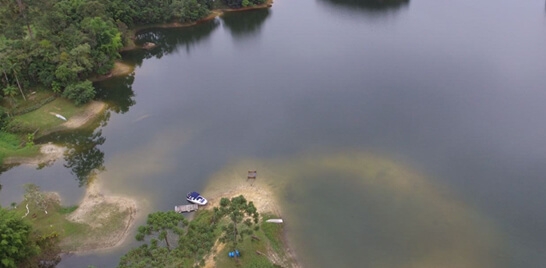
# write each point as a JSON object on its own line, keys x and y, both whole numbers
{"x": 16, "y": 245}
{"x": 175, "y": 242}
{"x": 60, "y": 44}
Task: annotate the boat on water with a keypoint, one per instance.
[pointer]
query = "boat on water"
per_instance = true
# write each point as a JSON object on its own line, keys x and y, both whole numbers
{"x": 196, "y": 198}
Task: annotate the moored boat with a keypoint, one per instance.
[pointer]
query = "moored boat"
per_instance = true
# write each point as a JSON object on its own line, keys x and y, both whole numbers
{"x": 196, "y": 198}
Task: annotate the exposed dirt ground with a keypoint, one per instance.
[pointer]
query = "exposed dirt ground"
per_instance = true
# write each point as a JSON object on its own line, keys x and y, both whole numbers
{"x": 109, "y": 218}
{"x": 93, "y": 110}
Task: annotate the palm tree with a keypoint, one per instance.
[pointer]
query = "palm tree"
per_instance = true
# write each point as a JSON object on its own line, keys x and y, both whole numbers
{"x": 11, "y": 92}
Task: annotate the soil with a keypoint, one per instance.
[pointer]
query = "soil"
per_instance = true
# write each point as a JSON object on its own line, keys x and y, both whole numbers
{"x": 93, "y": 110}
{"x": 109, "y": 219}
{"x": 119, "y": 69}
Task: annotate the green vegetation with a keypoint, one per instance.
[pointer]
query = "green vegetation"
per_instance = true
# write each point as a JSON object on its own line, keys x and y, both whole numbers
{"x": 44, "y": 118}
{"x": 52, "y": 231}
{"x": 55, "y": 48}
{"x": 59, "y": 45}
{"x": 22, "y": 243}
{"x": 12, "y": 145}
{"x": 243, "y": 3}
{"x": 172, "y": 241}
{"x": 16, "y": 244}
{"x": 242, "y": 217}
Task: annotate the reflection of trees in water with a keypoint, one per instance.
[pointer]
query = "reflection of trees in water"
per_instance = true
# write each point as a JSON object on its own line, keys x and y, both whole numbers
{"x": 83, "y": 157}
{"x": 244, "y": 24}
{"x": 369, "y": 6}
{"x": 169, "y": 40}
{"x": 117, "y": 91}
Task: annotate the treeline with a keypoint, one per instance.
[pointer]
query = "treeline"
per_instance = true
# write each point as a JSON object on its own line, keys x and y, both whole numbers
{"x": 59, "y": 45}
{"x": 172, "y": 241}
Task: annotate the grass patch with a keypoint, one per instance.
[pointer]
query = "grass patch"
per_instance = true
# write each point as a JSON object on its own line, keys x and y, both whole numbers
{"x": 103, "y": 224}
{"x": 269, "y": 238}
{"x": 12, "y": 145}
{"x": 67, "y": 210}
{"x": 273, "y": 232}
{"x": 44, "y": 117}
{"x": 34, "y": 100}
{"x": 52, "y": 222}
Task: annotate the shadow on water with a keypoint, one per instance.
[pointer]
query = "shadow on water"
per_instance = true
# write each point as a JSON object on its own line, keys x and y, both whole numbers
{"x": 370, "y": 7}
{"x": 245, "y": 24}
{"x": 169, "y": 40}
{"x": 83, "y": 156}
{"x": 118, "y": 92}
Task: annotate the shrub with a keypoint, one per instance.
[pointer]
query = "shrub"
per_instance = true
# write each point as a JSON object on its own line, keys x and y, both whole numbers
{"x": 80, "y": 93}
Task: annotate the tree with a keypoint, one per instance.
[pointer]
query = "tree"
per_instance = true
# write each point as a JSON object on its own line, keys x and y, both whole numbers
{"x": 243, "y": 216}
{"x": 16, "y": 244}
{"x": 147, "y": 256}
{"x": 80, "y": 92}
{"x": 162, "y": 224}
{"x": 84, "y": 157}
{"x": 11, "y": 92}
{"x": 105, "y": 41}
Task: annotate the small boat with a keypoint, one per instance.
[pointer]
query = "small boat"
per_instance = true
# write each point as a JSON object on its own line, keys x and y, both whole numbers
{"x": 60, "y": 117}
{"x": 196, "y": 198}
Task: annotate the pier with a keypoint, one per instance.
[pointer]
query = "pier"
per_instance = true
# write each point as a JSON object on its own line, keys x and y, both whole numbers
{"x": 186, "y": 208}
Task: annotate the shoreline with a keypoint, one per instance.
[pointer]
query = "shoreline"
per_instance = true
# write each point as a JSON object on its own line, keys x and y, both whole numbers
{"x": 213, "y": 15}
{"x": 91, "y": 208}
{"x": 265, "y": 201}
{"x": 94, "y": 198}
{"x": 50, "y": 152}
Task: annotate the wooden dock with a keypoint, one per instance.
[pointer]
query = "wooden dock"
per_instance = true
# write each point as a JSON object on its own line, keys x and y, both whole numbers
{"x": 186, "y": 208}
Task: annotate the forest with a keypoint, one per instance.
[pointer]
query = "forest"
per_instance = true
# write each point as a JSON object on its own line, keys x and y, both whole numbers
{"x": 62, "y": 45}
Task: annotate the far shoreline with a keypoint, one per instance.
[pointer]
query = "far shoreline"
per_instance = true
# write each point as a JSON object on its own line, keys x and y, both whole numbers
{"x": 213, "y": 14}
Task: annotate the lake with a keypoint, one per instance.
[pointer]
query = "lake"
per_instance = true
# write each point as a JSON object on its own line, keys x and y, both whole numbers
{"x": 396, "y": 133}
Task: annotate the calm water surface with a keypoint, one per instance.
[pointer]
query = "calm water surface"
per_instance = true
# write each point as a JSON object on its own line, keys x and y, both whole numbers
{"x": 412, "y": 132}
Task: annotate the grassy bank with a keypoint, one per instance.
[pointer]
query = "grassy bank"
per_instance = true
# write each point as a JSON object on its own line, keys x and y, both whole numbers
{"x": 103, "y": 224}
{"x": 16, "y": 141}
{"x": 13, "y": 145}
{"x": 45, "y": 117}
{"x": 266, "y": 244}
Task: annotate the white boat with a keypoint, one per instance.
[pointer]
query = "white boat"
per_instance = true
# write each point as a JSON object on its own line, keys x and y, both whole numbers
{"x": 196, "y": 198}
{"x": 60, "y": 117}
{"x": 275, "y": 220}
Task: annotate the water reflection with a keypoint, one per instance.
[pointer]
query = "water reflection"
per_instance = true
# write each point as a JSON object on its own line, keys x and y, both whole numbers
{"x": 118, "y": 92}
{"x": 371, "y": 7}
{"x": 245, "y": 24}
{"x": 169, "y": 40}
{"x": 83, "y": 157}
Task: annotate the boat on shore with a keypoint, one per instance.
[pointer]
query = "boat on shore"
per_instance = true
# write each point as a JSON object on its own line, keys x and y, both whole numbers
{"x": 196, "y": 198}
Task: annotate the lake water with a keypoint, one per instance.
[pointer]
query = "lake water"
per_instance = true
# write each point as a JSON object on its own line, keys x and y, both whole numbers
{"x": 397, "y": 133}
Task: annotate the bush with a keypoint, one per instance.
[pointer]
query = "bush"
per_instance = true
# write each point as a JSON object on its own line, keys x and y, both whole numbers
{"x": 4, "y": 119}
{"x": 18, "y": 127}
{"x": 80, "y": 93}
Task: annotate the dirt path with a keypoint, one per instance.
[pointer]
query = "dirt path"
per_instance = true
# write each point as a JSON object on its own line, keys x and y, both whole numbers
{"x": 94, "y": 108}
